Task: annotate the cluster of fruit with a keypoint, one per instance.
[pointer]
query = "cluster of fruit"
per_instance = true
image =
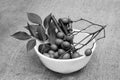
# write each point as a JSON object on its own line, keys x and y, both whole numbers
{"x": 63, "y": 47}
{"x": 59, "y": 49}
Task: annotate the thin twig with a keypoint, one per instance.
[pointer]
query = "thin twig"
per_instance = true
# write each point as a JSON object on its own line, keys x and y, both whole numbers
{"x": 81, "y": 30}
{"x": 94, "y": 35}
{"x": 98, "y": 39}
{"x": 101, "y": 37}
{"x": 82, "y": 40}
{"x": 84, "y": 44}
{"x": 56, "y": 23}
{"x": 88, "y": 22}
{"x": 75, "y": 45}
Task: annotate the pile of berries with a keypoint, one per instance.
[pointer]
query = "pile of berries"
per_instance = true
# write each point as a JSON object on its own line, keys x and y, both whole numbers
{"x": 62, "y": 48}
{"x": 59, "y": 49}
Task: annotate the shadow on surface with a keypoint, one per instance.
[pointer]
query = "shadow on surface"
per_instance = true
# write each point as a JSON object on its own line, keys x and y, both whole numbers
{"x": 59, "y": 75}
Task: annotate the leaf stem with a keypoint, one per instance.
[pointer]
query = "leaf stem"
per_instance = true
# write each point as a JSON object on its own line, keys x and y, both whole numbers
{"x": 88, "y": 22}
{"x": 94, "y": 35}
{"x": 56, "y": 23}
{"x": 82, "y": 30}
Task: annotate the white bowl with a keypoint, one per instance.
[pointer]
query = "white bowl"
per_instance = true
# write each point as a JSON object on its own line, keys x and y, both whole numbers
{"x": 67, "y": 65}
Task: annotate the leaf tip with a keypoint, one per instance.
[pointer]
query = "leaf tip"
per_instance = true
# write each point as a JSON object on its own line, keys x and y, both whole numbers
{"x": 31, "y": 44}
{"x": 50, "y": 13}
{"x": 28, "y": 13}
{"x": 11, "y": 35}
{"x": 34, "y": 18}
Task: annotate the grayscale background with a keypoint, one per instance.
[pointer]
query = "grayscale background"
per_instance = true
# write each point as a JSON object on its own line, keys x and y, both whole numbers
{"x": 17, "y": 64}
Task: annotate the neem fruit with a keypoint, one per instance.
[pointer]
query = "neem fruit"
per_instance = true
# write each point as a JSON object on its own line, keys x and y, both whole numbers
{"x": 66, "y": 56}
{"x": 88, "y": 52}
{"x": 46, "y": 54}
{"x": 56, "y": 55}
{"x": 69, "y": 38}
{"x": 66, "y": 44}
{"x": 75, "y": 55}
{"x": 66, "y": 20}
{"x": 60, "y": 35}
{"x": 61, "y": 51}
{"x": 54, "y": 47}
{"x": 51, "y": 52}
{"x": 58, "y": 41}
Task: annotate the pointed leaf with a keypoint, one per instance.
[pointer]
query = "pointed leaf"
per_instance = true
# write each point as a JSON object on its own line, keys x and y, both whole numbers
{"x": 41, "y": 48}
{"x": 44, "y": 48}
{"x": 41, "y": 33}
{"x": 47, "y": 21}
{"x": 34, "y": 18}
{"x": 21, "y": 35}
{"x": 31, "y": 43}
{"x": 52, "y": 33}
{"x": 32, "y": 29}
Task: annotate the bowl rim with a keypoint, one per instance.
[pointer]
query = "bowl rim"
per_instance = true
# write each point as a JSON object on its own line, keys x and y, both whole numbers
{"x": 63, "y": 60}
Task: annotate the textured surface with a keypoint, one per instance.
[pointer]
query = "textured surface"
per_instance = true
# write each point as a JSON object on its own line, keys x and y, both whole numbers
{"x": 17, "y": 64}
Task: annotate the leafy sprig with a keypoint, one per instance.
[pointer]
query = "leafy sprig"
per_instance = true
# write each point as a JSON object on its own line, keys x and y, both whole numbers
{"x": 36, "y": 31}
{"x": 46, "y": 32}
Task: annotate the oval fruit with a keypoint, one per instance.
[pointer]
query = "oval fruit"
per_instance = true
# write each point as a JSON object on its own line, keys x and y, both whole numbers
{"x": 76, "y": 54}
{"x": 69, "y": 38}
{"x": 56, "y": 55}
{"x": 51, "y": 52}
{"x": 60, "y": 35}
{"x": 54, "y": 47}
{"x": 88, "y": 52}
{"x": 51, "y": 55}
{"x": 61, "y": 51}
{"x": 66, "y": 56}
{"x": 58, "y": 41}
{"x": 66, "y": 45}
{"x": 66, "y": 20}
{"x": 46, "y": 54}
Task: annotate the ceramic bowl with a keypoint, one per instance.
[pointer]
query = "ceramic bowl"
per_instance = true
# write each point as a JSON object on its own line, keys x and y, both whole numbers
{"x": 68, "y": 65}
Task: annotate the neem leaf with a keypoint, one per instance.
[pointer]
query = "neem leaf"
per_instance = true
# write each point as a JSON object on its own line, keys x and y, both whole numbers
{"x": 34, "y": 18}
{"x": 52, "y": 33}
{"x": 31, "y": 43}
{"x": 47, "y": 21}
{"x": 32, "y": 29}
{"x": 44, "y": 48}
{"x": 21, "y": 35}
{"x": 40, "y": 48}
{"x": 41, "y": 33}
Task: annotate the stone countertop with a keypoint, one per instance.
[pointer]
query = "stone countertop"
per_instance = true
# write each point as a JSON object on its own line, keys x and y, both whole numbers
{"x": 17, "y": 64}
